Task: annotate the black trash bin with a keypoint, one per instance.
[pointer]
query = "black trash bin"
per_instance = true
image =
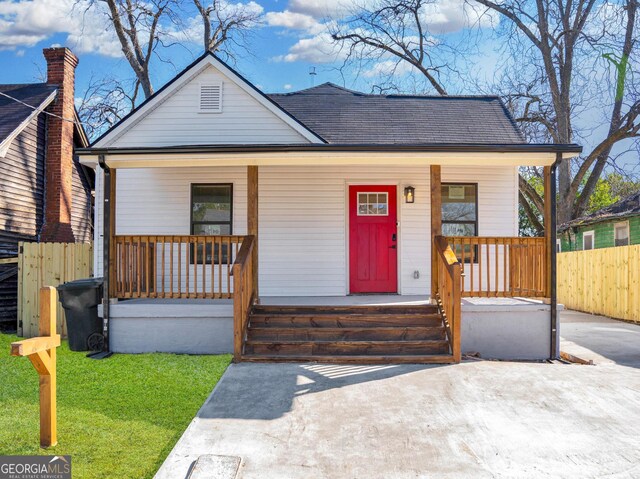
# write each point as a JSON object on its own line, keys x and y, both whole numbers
{"x": 80, "y": 300}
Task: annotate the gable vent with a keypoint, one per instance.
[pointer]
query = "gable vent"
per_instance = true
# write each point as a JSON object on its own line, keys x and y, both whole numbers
{"x": 211, "y": 98}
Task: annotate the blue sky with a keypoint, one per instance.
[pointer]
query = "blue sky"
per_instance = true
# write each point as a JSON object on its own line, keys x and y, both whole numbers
{"x": 291, "y": 40}
{"x": 23, "y": 63}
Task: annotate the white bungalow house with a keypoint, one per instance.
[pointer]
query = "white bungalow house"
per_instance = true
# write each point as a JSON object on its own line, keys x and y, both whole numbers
{"x": 324, "y": 225}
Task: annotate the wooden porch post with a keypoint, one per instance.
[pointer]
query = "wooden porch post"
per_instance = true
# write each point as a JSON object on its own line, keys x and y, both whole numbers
{"x": 436, "y": 220}
{"x": 252, "y": 219}
{"x": 548, "y": 236}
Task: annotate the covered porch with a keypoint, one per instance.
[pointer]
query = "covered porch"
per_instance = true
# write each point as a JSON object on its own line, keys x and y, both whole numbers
{"x": 216, "y": 273}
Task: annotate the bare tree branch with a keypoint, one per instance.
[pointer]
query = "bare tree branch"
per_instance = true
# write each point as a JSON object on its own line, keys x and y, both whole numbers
{"x": 559, "y": 32}
{"x": 104, "y": 103}
{"x": 392, "y": 29}
{"x": 225, "y": 22}
{"x": 137, "y": 24}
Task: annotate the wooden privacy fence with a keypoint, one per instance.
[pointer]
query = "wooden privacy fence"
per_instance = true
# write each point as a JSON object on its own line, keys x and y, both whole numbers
{"x": 50, "y": 264}
{"x": 601, "y": 281}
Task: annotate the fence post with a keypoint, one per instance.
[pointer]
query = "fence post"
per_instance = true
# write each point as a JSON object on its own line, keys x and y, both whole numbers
{"x": 41, "y": 351}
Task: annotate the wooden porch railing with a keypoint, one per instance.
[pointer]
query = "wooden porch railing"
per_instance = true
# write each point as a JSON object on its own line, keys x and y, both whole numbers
{"x": 447, "y": 294}
{"x": 244, "y": 293}
{"x": 173, "y": 266}
{"x": 501, "y": 266}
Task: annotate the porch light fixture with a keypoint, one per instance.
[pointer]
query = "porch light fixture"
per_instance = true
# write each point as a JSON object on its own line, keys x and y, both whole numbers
{"x": 409, "y": 194}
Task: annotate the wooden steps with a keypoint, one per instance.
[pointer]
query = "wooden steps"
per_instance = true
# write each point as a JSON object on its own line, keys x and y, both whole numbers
{"x": 351, "y": 359}
{"x": 344, "y": 320}
{"x": 374, "y": 333}
{"x": 347, "y": 334}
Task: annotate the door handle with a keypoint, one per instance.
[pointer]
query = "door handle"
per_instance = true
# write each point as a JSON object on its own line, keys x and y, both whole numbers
{"x": 392, "y": 247}
{"x": 393, "y": 237}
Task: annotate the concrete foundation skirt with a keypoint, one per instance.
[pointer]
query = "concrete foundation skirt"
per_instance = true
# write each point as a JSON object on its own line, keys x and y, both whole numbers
{"x": 171, "y": 326}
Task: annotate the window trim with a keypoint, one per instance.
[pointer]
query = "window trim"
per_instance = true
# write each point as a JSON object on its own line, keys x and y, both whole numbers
{"x": 626, "y": 225}
{"x": 465, "y": 183}
{"x": 358, "y": 193}
{"x": 192, "y": 256}
{"x": 558, "y": 245}
{"x": 591, "y": 233}
{"x": 476, "y": 223}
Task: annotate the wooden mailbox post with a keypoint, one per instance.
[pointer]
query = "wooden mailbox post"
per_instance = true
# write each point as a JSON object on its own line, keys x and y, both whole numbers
{"x": 42, "y": 353}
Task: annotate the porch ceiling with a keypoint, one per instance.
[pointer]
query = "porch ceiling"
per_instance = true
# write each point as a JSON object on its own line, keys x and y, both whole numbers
{"x": 262, "y": 155}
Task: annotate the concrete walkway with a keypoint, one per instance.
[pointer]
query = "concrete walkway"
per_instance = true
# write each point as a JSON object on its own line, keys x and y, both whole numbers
{"x": 478, "y": 419}
{"x": 601, "y": 339}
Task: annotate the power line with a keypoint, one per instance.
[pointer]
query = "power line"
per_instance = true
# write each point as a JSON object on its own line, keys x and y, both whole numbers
{"x": 43, "y": 111}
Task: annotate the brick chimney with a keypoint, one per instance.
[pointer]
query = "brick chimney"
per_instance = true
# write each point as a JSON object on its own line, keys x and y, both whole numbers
{"x": 61, "y": 66}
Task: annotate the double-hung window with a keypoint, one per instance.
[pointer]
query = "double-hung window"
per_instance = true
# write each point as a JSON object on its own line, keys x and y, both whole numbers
{"x": 459, "y": 209}
{"x": 621, "y": 233}
{"x": 588, "y": 240}
{"x": 460, "y": 213}
{"x": 211, "y": 214}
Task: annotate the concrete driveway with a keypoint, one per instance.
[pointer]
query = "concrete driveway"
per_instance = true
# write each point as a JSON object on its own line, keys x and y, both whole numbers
{"x": 473, "y": 420}
{"x": 601, "y": 339}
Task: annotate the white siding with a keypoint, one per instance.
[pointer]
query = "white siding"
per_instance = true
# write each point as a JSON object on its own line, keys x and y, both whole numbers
{"x": 178, "y": 120}
{"x": 497, "y": 196}
{"x": 497, "y": 211}
{"x": 157, "y": 201}
{"x": 303, "y": 217}
{"x": 303, "y": 228}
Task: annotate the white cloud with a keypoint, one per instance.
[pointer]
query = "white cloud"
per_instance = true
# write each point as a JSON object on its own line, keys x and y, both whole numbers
{"x": 294, "y": 21}
{"x": 24, "y": 23}
{"x": 317, "y": 49}
{"x": 320, "y": 9}
{"x": 190, "y": 29}
{"x": 448, "y": 16}
{"x": 388, "y": 67}
{"x": 315, "y": 45}
{"x": 287, "y": 86}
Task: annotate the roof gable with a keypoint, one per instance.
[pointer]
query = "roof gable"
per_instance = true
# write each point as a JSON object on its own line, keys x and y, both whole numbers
{"x": 345, "y": 116}
{"x": 171, "y": 117}
{"x": 32, "y": 99}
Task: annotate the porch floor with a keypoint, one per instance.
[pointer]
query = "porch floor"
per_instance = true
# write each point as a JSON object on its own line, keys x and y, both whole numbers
{"x": 468, "y": 304}
{"x": 353, "y": 300}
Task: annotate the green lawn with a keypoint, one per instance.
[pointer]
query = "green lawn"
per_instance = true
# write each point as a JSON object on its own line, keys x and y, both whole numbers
{"x": 117, "y": 417}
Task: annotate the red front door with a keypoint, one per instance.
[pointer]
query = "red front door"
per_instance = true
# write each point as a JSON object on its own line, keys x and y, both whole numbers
{"x": 373, "y": 245}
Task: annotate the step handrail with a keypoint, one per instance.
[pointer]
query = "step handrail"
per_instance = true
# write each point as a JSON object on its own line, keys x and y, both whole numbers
{"x": 244, "y": 294}
{"x": 447, "y": 294}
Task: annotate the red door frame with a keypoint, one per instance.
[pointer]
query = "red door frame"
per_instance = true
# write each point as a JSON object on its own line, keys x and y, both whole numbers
{"x": 373, "y": 243}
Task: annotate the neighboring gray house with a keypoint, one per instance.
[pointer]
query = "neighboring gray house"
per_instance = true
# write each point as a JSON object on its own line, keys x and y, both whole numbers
{"x": 45, "y": 194}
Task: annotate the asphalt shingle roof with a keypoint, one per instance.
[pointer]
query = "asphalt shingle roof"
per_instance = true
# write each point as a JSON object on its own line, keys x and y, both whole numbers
{"x": 12, "y": 113}
{"x": 347, "y": 117}
{"x": 629, "y": 206}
